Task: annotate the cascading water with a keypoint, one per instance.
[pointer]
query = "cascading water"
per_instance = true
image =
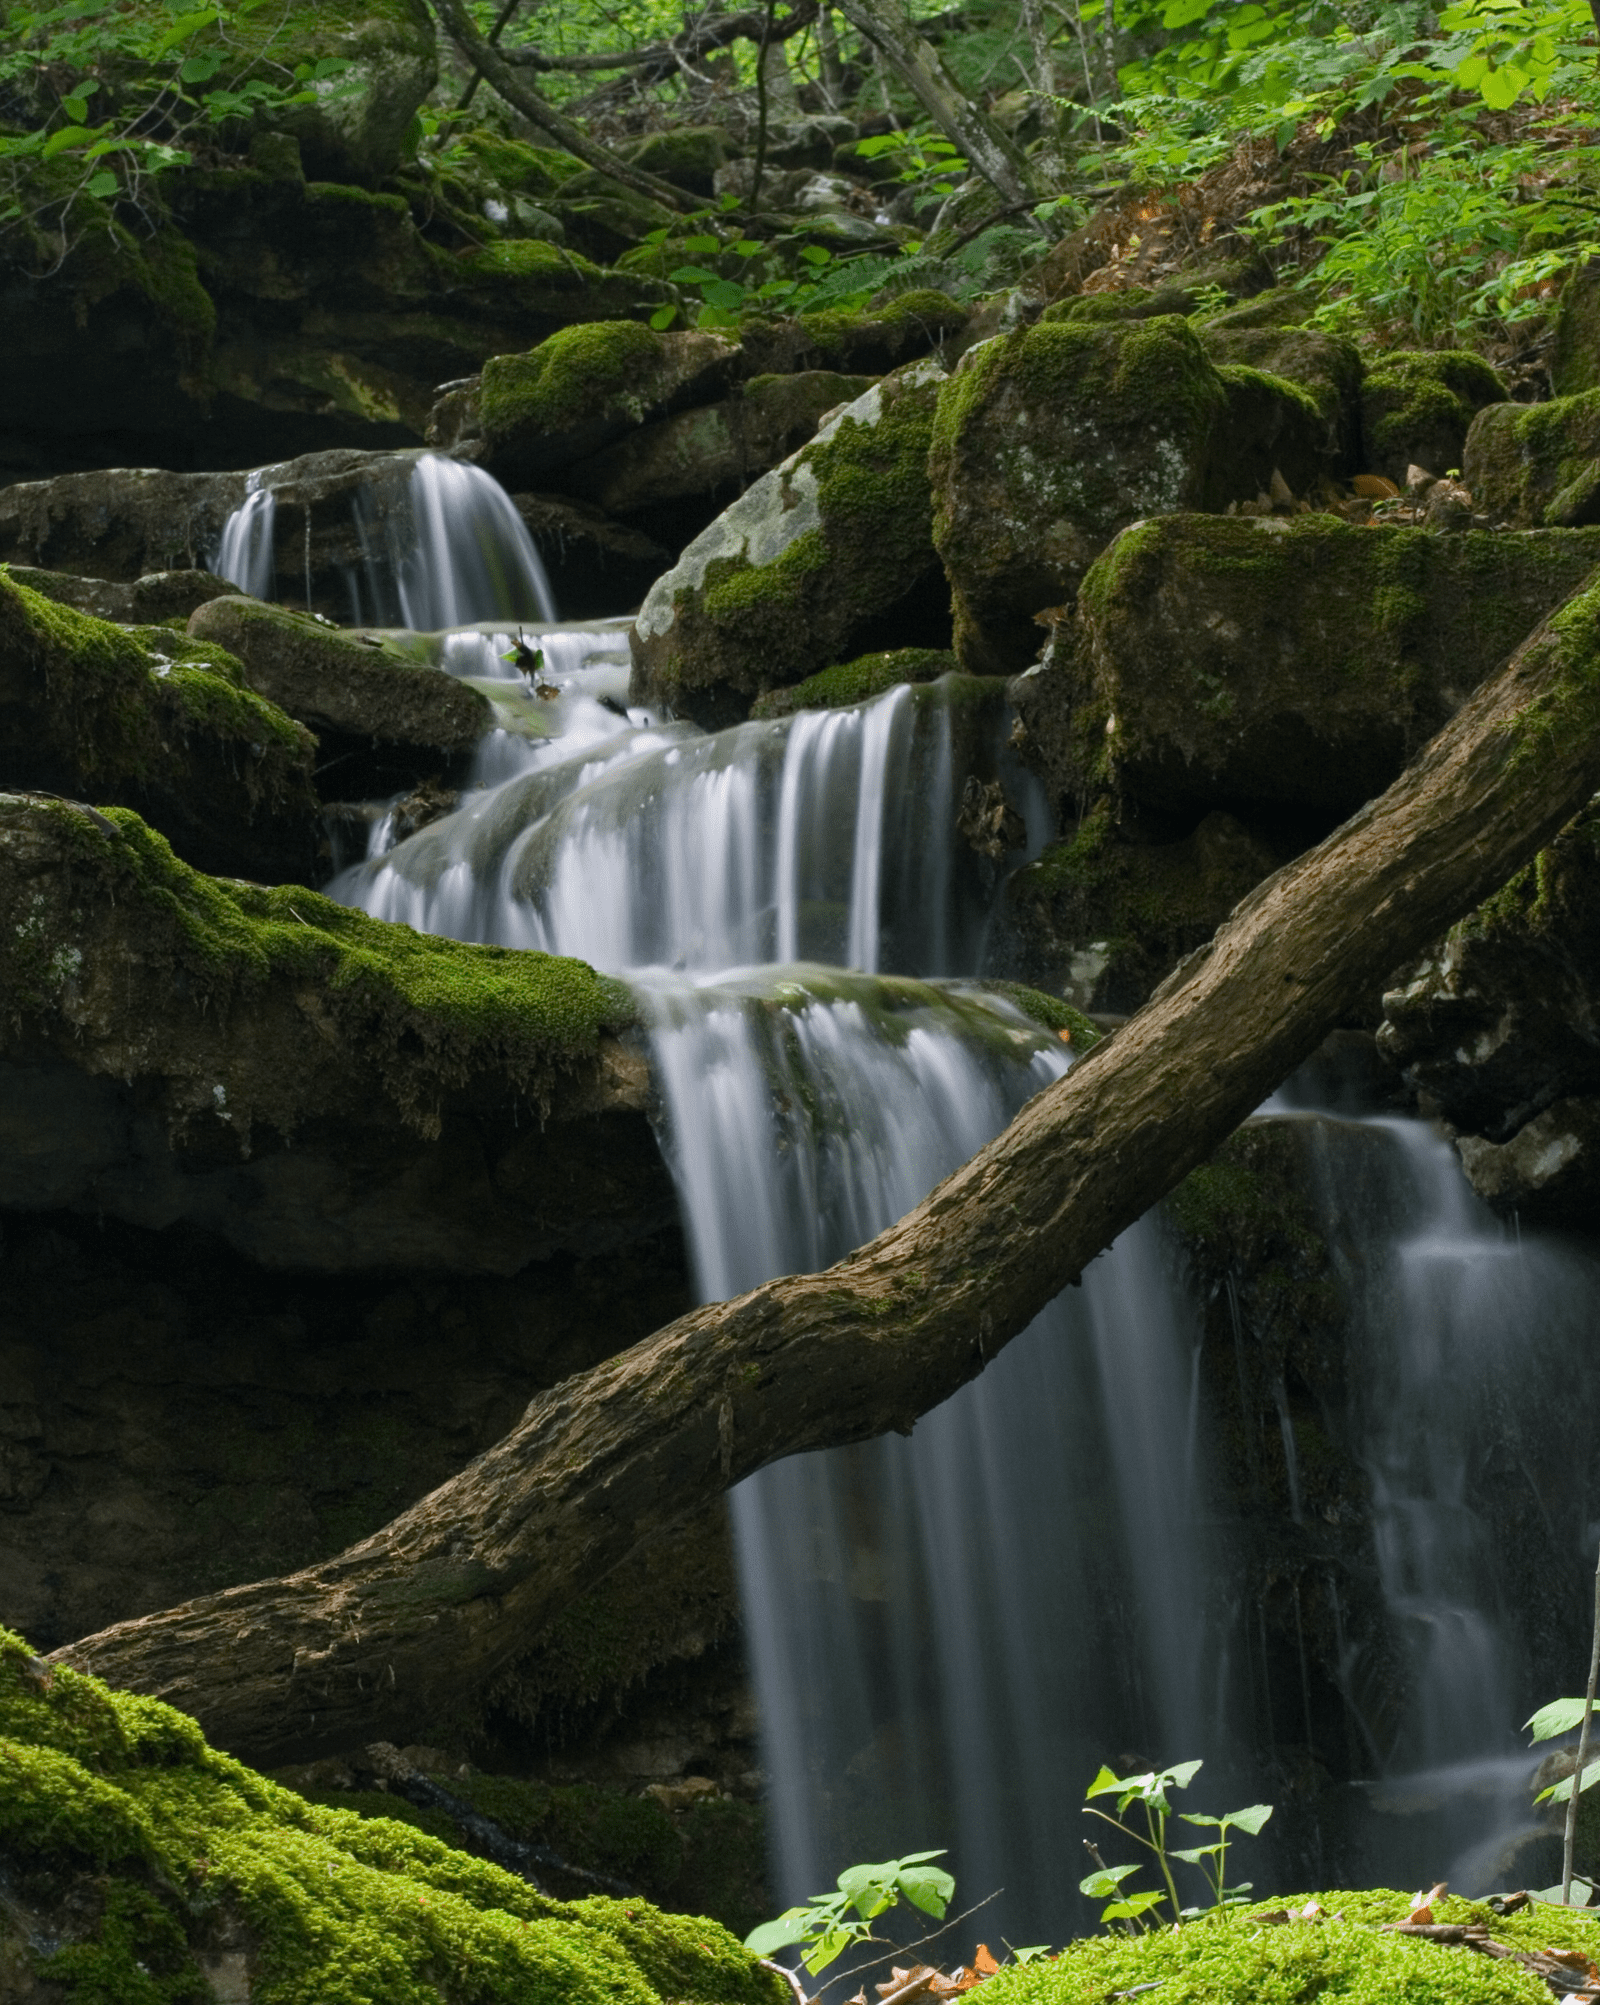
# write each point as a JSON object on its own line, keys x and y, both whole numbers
{"x": 948, "y": 1633}
{"x": 245, "y": 554}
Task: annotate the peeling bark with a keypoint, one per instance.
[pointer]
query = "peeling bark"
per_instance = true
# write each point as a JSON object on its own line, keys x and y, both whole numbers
{"x": 384, "y": 1635}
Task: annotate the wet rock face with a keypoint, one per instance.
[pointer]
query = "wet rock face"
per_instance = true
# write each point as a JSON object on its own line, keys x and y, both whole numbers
{"x": 1050, "y": 440}
{"x": 164, "y": 598}
{"x": 1499, "y": 1033}
{"x": 1270, "y": 666}
{"x": 806, "y": 567}
{"x": 318, "y": 1090}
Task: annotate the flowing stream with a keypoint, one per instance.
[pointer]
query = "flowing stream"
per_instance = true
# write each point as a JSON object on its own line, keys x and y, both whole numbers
{"x": 950, "y": 1632}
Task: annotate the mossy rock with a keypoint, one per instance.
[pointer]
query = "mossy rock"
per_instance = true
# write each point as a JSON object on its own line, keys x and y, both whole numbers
{"x": 605, "y": 217}
{"x": 148, "y": 718}
{"x": 588, "y": 385}
{"x": 1326, "y": 366}
{"x": 1417, "y": 407}
{"x": 1232, "y": 1959}
{"x": 1575, "y": 350}
{"x": 855, "y": 681}
{"x": 358, "y": 122}
{"x": 1050, "y": 440}
{"x": 1102, "y": 920}
{"x": 688, "y": 157}
{"x": 155, "y": 599}
{"x": 870, "y": 342}
{"x": 1285, "y": 666}
{"x": 495, "y": 164}
{"x": 1537, "y": 466}
{"x": 805, "y": 566}
{"x": 1234, "y": 278}
{"x": 383, "y": 716}
{"x": 143, "y": 1865}
{"x": 715, "y": 448}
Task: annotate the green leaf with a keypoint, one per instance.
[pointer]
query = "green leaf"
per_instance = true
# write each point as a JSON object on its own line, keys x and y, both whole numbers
{"x": 695, "y": 244}
{"x": 62, "y": 141}
{"x": 103, "y": 186}
{"x": 663, "y": 317}
{"x": 76, "y": 108}
{"x": 928, "y": 1888}
{"x": 1560, "y": 1716}
{"x": 1130, "y": 1909}
{"x": 783, "y": 1933}
{"x": 814, "y": 254}
{"x": 1250, "y": 1820}
{"x": 724, "y": 293}
{"x": 1195, "y": 1854}
{"x": 1184, "y": 1773}
{"x": 1100, "y": 1886}
{"x": 1031, "y": 1954}
{"x": 1561, "y": 1792}
{"x": 692, "y": 275}
{"x": 1104, "y": 1783}
{"x": 200, "y": 69}
{"x": 1502, "y": 87}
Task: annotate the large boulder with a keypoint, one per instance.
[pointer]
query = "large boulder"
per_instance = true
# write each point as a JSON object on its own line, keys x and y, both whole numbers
{"x": 147, "y": 718}
{"x": 158, "y": 598}
{"x": 1537, "y": 466}
{"x": 1417, "y": 407}
{"x": 316, "y": 1089}
{"x": 1575, "y": 349}
{"x": 383, "y": 720}
{"x": 586, "y": 386}
{"x": 1326, "y": 366}
{"x": 1499, "y": 1031}
{"x": 1050, "y": 440}
{"x": 718, "y": 448}
{"x": 825, "y": 557}
{"x": 1287, "y": 666}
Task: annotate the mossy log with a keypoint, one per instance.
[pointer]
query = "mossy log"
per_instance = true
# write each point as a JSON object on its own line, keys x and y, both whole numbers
{"x": 376, "y": 1639}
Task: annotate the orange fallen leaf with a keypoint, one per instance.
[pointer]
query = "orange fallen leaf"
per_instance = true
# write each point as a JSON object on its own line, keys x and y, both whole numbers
{"x": 1374, "y": 487}
{"x": 984, "y": 1961}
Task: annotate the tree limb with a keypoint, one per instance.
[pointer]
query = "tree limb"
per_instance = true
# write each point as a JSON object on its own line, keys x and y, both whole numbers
{"x": 386, "y": 1634}
{"x": 661, "y": 58}
{"x": 492, "y": 66}
{"x": 999, "y": 159}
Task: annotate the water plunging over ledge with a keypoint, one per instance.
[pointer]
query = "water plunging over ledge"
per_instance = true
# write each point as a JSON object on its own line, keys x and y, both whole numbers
{"x": 948, "y": 1633}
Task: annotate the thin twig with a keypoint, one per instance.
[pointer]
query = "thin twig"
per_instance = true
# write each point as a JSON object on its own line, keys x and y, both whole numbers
{"x": 933, "y": 1935}
{"x": 1583, "y": 1749}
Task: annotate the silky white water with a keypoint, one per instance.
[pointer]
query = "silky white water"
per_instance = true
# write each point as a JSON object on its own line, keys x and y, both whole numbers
{"x": 949, "y": 1633}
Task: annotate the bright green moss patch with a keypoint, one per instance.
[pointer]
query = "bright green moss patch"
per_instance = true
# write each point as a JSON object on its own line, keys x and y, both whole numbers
{"x": 1050, "y": 1013}
{"x": 854, "y": 681}
{"x": 1235, "y": 1960}
{"x": 169, "y": 1849}
{"x": 428, "y": 1013}
{"x": 1417, "y": 406}
{"x": 549, "y": 388}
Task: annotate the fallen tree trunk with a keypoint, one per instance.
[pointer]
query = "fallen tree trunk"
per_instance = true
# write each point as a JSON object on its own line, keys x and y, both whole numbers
{"x": 376, "y": 1640}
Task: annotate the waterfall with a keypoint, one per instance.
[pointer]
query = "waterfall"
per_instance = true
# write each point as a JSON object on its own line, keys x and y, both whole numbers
{"x": 244, "y": 556}
{"x": 948, "y": 1633}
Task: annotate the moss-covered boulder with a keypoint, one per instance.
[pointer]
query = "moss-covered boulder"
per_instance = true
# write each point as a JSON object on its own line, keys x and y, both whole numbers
{"x": 141, "y": 1865}
{"x": 1497, "y": 1029}
{"x": 1326, "y": 366}
{"x": 1050, "y": 440}
{"x": 1575, "y": 327}
{"x": 148, "y": 718}
{"x": 319, "y": 1089}
{"x": 867, "y": 343}
{"x": 717, "y": 449}
{"x": 589, "y": 385}
{"x": 854, "y": 681}
{"x": 1417, "y": 407}
{"x": 687, "y": 156}
{"x": 1102, "y": 920}
{"x": 1537, "y": 466}
{"x": 1282, "y": 665}
{"x": 809, "y": 566}
{"x": 385, "y": 718}
{"x": 159, "y": 598}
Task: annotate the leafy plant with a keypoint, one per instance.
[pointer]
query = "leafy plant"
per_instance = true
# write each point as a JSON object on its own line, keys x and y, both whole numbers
{"x": 829, "y": 1924}
{"x": 1149, "y": 1792}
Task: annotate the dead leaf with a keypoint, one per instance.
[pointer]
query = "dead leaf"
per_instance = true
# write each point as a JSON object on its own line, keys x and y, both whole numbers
{"x": 984, "y": 1962}
{"x": 1422, "y": 1904}
{"x": 1375, "y": 486}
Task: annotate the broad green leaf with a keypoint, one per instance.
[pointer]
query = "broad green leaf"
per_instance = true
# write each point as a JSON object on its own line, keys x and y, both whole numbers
{"x": 1250, "y": 1820}
{"x": 1130, "y": 1909}
{"x": 783, "y": 1933}
{"x": 725, "y": 293}
{"x": 103, "y": 186}
{"x": 1199, "y": 1817}
{"x": 1196, "y": 1853}
{"x": 62, "y": 141}
{"x": 1560, "y": 1716}
{"x": 1502, "y": 87}
{"x": 1031, "y": 1954}
{"x": 927, "y": 1888}
{"x": 1183, "y": 1774}
{"x": 200, "y": 69}
{"x": 1103, "y": 1784}
{"x": 692, "y": 275}
{"x": 694, "y": 245}
{"x": 663, "y": 317}
{"x": 814, "y": 254}
{"x": 1100, "y": 1886}
{"x": 1561, "y": 1792}
{"x": 76, "y": 108}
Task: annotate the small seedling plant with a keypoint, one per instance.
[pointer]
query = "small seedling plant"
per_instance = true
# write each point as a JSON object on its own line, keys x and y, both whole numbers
{"x": 829, "y": 1924}
{"x": 1148, "y": 1794}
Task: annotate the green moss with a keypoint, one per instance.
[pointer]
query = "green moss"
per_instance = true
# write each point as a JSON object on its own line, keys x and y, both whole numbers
{"x": 165, "y": 1842}
{"x": 428, "y": 1013}
{"x": 1051, "y": 1013}
{"x": 1233, "y": 1960}
{"x": 1575, "y": 330}
{"x": 854, "y": 681}
{"x": 1418, "y": 405}
{"x": 1568, "y": 711}
{"x": 564, "y": 379}
{"x": 689, "y": 156}
{"x": 1538, "y": 466}
{"x": 528, "y": 257}
{"x": 122, "y": 704}
{"x": 511, "y": 165}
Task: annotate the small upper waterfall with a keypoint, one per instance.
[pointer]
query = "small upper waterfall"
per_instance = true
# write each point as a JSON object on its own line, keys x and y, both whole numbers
{"x": 245, "y": 555}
